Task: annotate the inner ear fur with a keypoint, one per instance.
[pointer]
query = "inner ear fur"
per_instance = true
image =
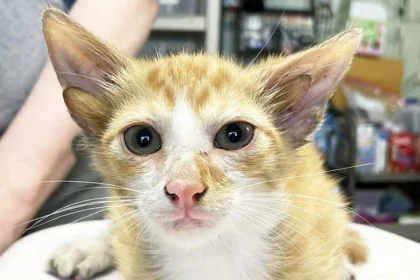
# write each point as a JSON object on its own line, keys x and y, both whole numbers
{"x": 298, "y": 87}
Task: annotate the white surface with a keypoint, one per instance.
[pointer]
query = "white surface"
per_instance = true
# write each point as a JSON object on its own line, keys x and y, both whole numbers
{"x": 180, "y": 23}
{"x": 391, "y": 257}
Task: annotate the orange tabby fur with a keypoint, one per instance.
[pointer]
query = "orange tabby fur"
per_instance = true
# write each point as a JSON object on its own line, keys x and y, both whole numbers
{"x": 319, "y": 232}
{"x": 311, "y": 240}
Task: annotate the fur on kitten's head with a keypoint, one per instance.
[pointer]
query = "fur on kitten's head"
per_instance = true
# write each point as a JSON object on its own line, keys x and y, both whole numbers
{"x": 187, "y": 100}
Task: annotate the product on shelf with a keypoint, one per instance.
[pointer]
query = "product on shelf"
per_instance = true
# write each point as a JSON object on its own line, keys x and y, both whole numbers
{"x": 404, "y": 136}
{"x": 387, "y": 129}
{"x": 402, "y": 152}
{"x": 381, "y": 150}
{"x": 365, "y": 154}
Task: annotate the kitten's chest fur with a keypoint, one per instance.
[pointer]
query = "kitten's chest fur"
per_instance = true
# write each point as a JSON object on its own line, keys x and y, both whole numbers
{"x": 235, "y": 257}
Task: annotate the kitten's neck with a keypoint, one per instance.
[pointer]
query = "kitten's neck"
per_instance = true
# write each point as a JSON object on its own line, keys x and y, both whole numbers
{"x": 235, "y": 256}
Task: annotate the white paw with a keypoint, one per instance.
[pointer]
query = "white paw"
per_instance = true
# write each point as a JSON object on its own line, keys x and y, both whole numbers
{"x": 81, "y": 259}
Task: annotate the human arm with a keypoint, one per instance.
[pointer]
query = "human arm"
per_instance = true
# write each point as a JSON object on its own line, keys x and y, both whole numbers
{"x": 37, "y": 145}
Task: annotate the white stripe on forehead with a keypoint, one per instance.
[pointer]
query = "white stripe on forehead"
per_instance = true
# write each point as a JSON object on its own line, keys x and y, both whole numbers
{"x": 186, "y": 130}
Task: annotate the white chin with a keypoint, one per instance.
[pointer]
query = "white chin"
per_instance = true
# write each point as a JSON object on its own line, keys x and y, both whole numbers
{"x": 189, "y": 225}
{"x": 190, "y": 234}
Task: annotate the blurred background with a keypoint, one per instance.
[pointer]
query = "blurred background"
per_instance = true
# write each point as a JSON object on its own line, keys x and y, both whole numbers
{"x": 373, "y": 120}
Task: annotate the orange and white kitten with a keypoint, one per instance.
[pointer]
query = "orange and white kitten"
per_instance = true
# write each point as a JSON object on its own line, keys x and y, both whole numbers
{"x": 211, "y": 172}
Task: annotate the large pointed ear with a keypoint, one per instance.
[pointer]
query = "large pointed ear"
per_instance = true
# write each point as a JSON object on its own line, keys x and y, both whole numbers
{"x": 86, "y": 67}
{"x": 298, "y": 87}
{"x": 80, "y": 59}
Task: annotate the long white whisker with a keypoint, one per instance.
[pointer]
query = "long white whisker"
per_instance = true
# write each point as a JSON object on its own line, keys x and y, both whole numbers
{"x": 144, "y": 228}
{"x": 289, "y": 205}
{"x": 305, "y": 175}
{"x": 68, "y": 214}
{"x": 265, "y": 45}
{"x": 126, "y": 217}
{"x": 72, "y": 206}
{"x": 292, "y": 227}
{"x": 285, "y": 213}
{"x": 267, "y": 235}
{"x": 332, "y": 203}
{"x": 89, "y": 182}
{"x": 342, "y": 206}
{"x": 99, "y": 199}
{"x": 274, "y": 228}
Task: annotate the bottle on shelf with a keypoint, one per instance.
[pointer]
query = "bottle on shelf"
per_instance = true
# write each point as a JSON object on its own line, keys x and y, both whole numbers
{"x": 383, "y": 134}
{"x": 404, "y": 134}
{"x": 413, "y": 119}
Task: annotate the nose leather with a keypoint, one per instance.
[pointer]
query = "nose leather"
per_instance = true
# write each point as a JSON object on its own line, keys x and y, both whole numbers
{"x": 186, "y": 195}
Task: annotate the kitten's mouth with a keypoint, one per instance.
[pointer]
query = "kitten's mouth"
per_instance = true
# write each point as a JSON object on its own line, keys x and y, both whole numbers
{"x": 188, "y": 219}
{"x": 188, "y": 223}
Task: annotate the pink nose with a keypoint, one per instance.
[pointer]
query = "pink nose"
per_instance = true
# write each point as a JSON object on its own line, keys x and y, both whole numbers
{"x": 185, "y": 196}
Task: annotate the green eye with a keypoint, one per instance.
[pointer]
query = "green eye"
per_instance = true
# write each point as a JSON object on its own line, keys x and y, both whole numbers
{"x": 234, "y": 136}
{"x": 142, "y": 140}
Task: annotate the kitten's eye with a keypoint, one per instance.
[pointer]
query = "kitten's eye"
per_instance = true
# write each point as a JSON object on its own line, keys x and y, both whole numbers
{"x": 142, "y": 140}
{"x": 234, "y": 136}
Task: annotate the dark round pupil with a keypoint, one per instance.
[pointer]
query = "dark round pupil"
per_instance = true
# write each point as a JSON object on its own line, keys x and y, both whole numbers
{"x": 234, "y": 133}
{"x": 144, "y": 138}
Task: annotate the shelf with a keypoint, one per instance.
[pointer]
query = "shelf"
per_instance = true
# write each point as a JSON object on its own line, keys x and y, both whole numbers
{"x": 271, "y": 12}
{"x": 180, "y": 23}
{"x": 388, "y": 178}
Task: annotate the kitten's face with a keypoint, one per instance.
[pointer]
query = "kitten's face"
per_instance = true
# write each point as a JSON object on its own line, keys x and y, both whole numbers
{"x": 193, "y": 123}
{"x": 195, "y": 139}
